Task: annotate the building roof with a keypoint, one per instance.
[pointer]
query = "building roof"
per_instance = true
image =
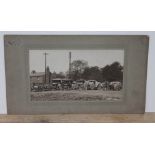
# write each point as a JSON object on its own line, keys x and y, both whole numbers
{"x": 37, "y": 74}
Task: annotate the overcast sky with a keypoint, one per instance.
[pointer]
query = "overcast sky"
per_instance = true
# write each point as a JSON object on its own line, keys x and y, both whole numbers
{"x": 58, "y": 60}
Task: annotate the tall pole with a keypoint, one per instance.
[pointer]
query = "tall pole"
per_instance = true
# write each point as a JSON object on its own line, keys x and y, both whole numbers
{"x": 70, "y": 57}
{"x": 45, "y": 65}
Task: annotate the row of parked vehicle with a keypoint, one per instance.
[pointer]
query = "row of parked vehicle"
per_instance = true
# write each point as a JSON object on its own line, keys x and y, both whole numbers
{"x": 68, "y": 84}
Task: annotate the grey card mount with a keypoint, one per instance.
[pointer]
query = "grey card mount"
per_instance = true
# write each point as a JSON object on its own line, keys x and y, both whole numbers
{"x": 64, "y": 74}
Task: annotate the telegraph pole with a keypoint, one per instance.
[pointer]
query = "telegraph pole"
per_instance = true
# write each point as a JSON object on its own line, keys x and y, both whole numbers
{"x": 70, "y": 57}
{"x": 45, "y": 65}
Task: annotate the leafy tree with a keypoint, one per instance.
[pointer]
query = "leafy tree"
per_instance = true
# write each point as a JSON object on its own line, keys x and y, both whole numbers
{"x": 86, "y": 73}
{"x": 60, "y": 75}
{"x": 113, "y": 72}
{"x": 92, "y": 73}
{"x": 33, "y": 72}
{"x": 77, "y": 68}
{"x": 48, "y": 75}
{"x": 57, "y": 75}
{"x": 47, "y": 69}
{"x": 79, "y": 65}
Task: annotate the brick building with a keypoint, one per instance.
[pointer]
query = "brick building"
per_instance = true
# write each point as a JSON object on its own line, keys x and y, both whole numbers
{"x": 39, "y": 77}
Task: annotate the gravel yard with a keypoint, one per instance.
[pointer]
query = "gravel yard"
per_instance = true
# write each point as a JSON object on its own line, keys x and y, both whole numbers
{"x": 73, "y": 95}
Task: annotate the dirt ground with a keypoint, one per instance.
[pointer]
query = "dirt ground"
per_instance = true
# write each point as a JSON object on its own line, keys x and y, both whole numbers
{"x": 73, "y": 95}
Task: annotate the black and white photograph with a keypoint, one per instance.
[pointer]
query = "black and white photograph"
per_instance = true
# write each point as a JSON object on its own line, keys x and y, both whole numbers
{"x": 76, "y": 75}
